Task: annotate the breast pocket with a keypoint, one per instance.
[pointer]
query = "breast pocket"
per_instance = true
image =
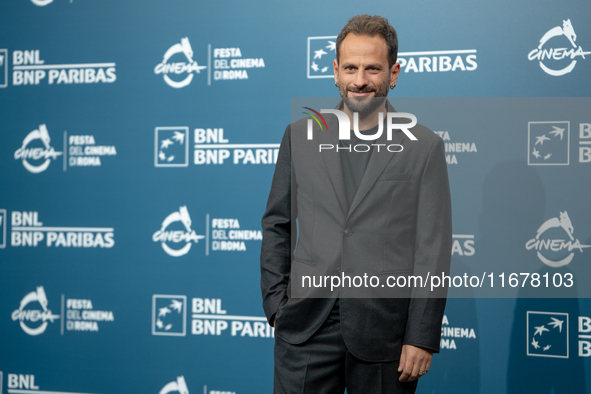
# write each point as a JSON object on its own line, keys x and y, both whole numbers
{"x": 395, "y": 176}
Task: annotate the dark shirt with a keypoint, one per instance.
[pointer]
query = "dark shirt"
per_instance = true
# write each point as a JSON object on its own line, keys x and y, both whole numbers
{"x": 354, "y": 164}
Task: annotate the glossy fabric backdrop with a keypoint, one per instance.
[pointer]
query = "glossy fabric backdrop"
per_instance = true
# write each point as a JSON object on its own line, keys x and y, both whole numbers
{"x": 124, "y": 313}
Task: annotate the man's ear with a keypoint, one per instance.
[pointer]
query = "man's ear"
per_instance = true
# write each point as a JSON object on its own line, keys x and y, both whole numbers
{"x": 394, "y": 73}
{"x": 335, "y": 66}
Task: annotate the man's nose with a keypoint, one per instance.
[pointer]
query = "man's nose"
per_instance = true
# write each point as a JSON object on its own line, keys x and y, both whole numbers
{"x": 361, "y": 79}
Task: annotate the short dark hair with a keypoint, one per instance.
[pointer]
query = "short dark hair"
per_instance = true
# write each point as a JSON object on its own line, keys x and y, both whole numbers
{"x": 371, "y": 25}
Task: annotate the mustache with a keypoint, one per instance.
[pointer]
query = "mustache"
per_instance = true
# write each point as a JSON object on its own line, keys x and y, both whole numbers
{"x": 365, "y": 90}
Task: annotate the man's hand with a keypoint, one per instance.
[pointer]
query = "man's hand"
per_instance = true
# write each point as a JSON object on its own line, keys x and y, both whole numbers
{"x": 414, "y": 362}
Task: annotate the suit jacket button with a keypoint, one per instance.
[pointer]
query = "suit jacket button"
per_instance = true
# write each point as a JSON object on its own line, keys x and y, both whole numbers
{"x": 348, "y": 232}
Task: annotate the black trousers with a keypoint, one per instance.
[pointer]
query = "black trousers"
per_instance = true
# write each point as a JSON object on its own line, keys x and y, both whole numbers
{"x": 323, "y": 365}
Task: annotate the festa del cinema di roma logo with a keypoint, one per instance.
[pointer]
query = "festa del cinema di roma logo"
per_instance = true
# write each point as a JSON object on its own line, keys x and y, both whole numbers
{"x": 345, "y": 129}
{"x": 36, "y": 152}
{"x": 27, "y": 316}
{"x": 36, "y": 159}
{"x": 178, "y": 67}
{"x": 546, "y": 54}
{"x": 176, "y": 386}
{"x": 190, "y": 67}
{"x": 41, "y": 3}
{"x": 188, "y": 236}
{"x": 549, "y": 249}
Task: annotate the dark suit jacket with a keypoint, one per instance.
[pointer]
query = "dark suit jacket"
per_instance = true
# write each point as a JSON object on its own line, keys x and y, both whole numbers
{"x": 399, "y": 223}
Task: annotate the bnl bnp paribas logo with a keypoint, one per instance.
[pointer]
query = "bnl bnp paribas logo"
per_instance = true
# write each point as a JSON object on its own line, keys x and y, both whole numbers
{"x": 29, "y": 68}
{"x": 554, "y": 243}
{"x": 27, "y": 230}
{"x": 208, "y": 317}
{"x": 210, "y": 146}
{"x": 548, "y": 334}
{"x": 176, "y": 235}
{"x": 27, "y": 384}
{"x": 557, "y": 53}
{"x": 548, "y": 143}
{"x": 322, "y": 52}
{"x": 179, "y": 65}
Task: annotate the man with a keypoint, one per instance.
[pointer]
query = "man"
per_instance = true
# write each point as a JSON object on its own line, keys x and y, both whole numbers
{"x": 385, "y": 212}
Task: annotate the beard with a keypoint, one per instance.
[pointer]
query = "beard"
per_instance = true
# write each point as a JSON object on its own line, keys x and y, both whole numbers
{"x": 364, "y": 105}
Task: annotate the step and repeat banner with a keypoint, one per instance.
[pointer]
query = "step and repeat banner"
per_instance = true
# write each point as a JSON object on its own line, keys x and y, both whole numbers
{"x": 138, "y": 140}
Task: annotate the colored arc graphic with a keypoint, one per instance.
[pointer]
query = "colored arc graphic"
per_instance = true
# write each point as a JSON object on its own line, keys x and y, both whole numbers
{"x": 315, "y": 118}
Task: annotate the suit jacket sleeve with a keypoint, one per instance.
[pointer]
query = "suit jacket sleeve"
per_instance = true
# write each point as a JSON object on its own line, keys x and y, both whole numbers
{"x": 279, "y": 232}
{"x": 432, "y": 251}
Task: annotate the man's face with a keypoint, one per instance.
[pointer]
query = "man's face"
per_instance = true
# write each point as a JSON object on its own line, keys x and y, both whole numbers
{"x": 363, "y": 72}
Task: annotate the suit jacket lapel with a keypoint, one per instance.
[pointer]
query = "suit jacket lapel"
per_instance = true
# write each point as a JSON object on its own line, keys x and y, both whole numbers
{"x": 377, "y": 161}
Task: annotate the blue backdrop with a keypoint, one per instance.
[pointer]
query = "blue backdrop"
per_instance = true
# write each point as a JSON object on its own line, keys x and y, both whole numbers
{"x": 137, "y": 145}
